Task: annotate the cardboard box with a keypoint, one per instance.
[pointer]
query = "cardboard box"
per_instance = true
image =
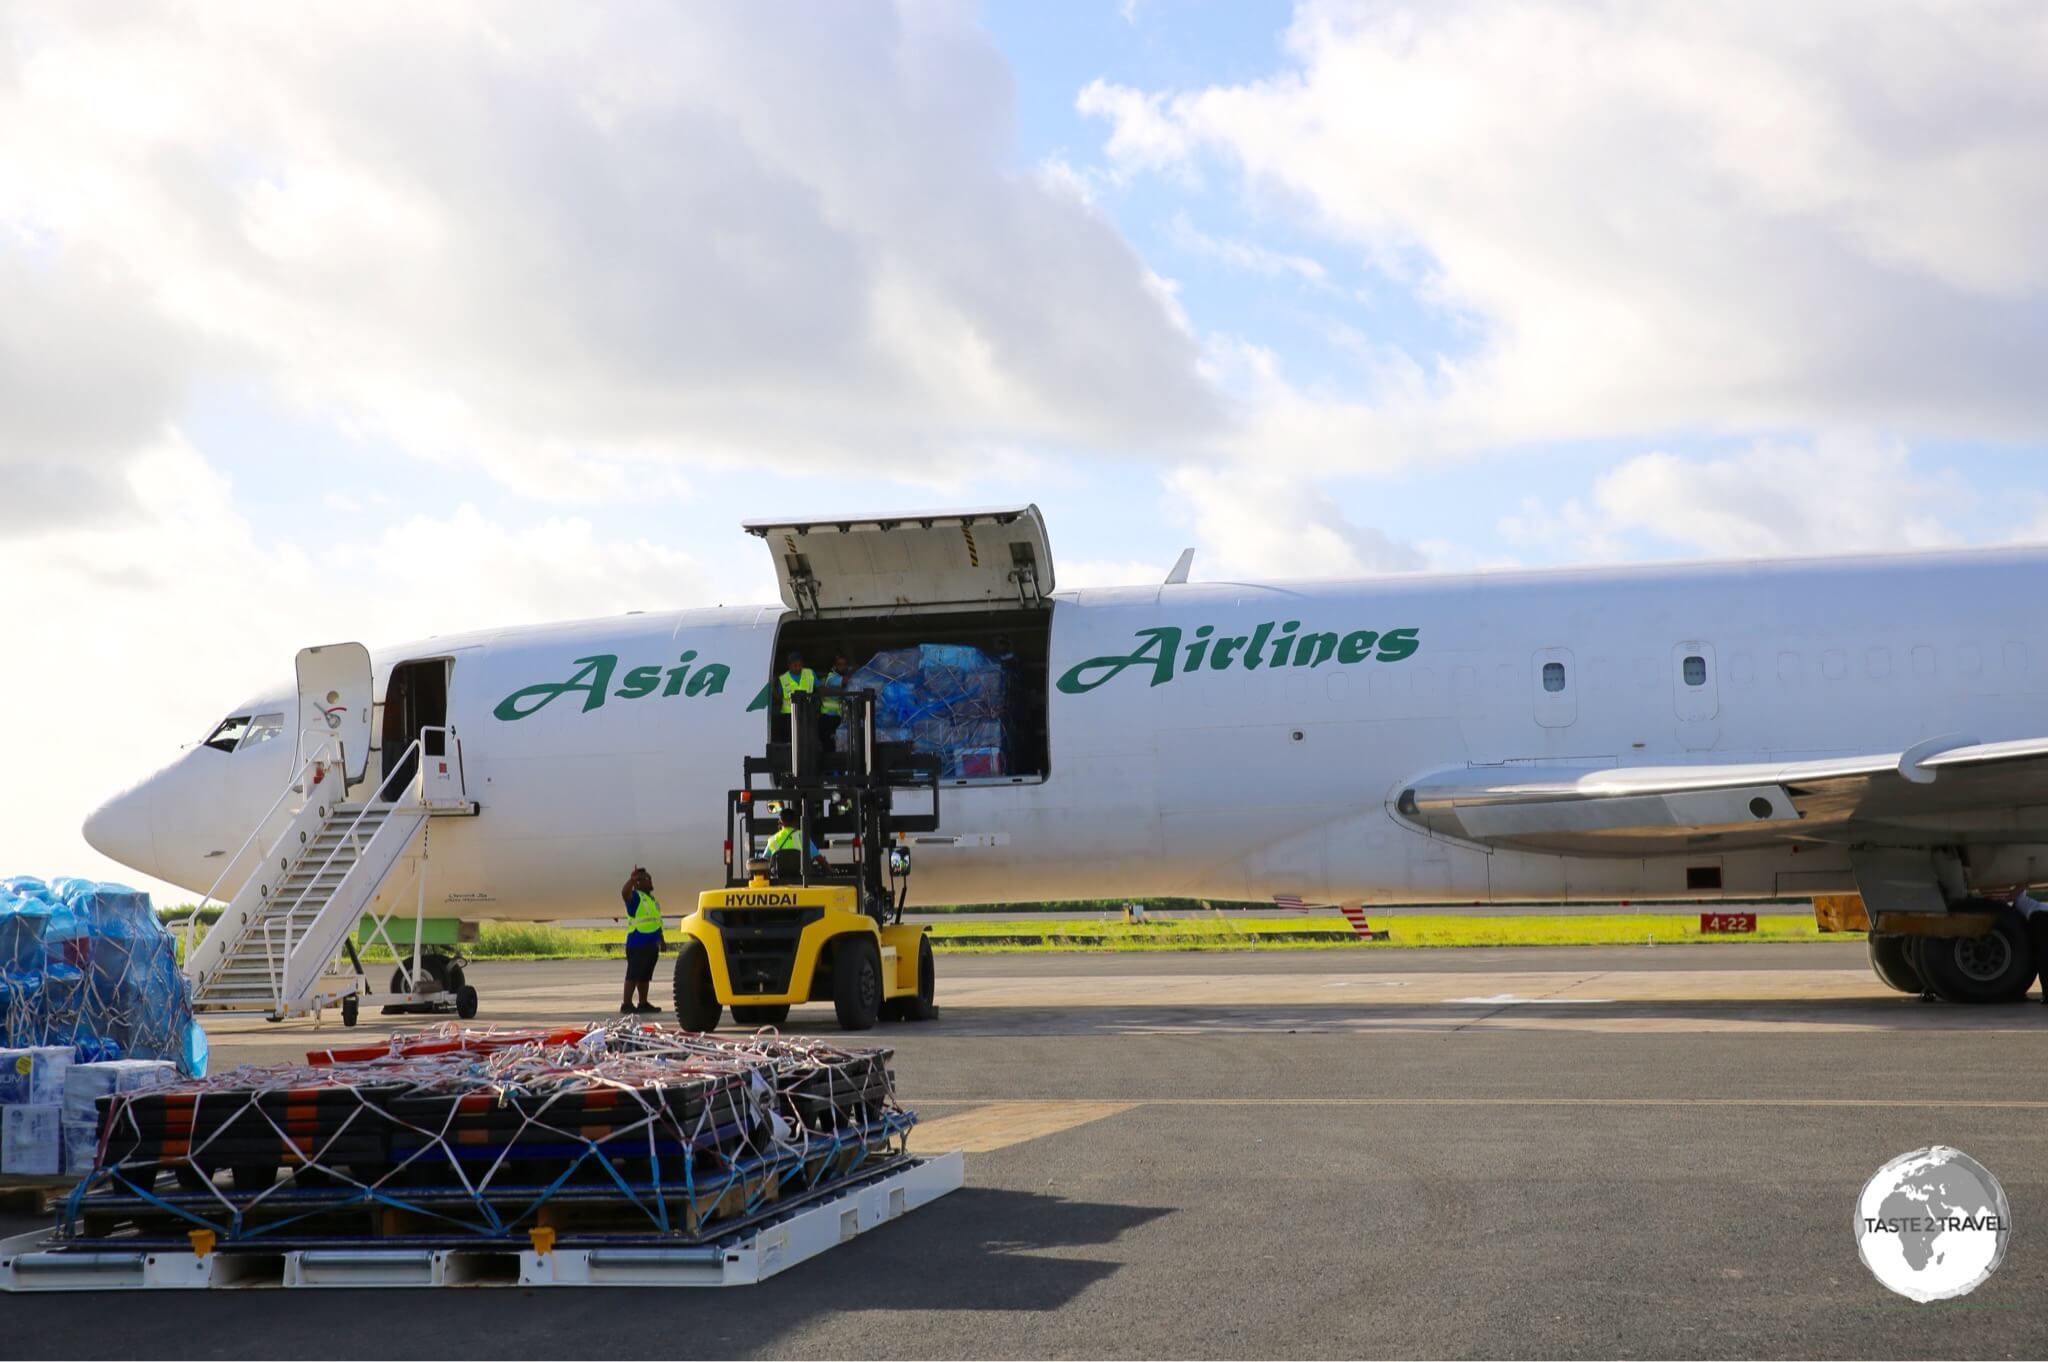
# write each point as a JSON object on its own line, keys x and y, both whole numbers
{"x": 85, "y": 1084}
{"x": 30, "y": 1141}
{"x": 81, "y": 1144}
{"x": 35, "y": 1076}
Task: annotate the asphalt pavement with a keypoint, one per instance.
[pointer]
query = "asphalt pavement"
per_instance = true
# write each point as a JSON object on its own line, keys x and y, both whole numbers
{"x": 1612, "y": 1152}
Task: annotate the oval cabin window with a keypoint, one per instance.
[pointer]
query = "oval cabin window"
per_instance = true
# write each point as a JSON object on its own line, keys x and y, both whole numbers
{"x": 1553, "y": 677}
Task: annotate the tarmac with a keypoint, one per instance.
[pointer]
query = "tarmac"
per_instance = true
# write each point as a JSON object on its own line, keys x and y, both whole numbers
{"x": 1622, "y": 1151}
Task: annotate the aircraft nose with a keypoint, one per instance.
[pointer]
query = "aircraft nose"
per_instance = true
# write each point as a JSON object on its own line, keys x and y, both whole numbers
{"x": 122, "y": 829}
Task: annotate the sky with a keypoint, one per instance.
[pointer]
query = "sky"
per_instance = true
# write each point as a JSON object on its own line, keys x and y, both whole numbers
{"x": 379, "y": 320}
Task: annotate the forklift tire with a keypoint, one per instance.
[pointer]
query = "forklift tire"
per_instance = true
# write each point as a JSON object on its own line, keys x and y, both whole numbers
{"x": 351, "y": 1009}
{"x": 465, "y": 1002}
{"x": 921, "y": 1007}
{"x": 764, "y": 1014}
{"x": 856, "y": 983}
{"x": 697, "y": 1006}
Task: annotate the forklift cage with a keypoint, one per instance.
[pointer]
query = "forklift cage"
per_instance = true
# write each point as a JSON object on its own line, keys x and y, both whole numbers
{"x": 844, "y": 796}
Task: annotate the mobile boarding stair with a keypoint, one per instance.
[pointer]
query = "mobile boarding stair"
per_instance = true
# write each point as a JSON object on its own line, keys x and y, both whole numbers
{"x": 337, "y": 862}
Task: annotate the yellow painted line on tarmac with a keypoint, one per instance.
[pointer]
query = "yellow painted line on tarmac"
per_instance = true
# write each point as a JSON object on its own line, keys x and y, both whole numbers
{"x": 1015, "y": 1108}
{"x": 996, "y": 1125}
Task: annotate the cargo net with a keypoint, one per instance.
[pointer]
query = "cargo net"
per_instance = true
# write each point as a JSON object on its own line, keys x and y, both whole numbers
{"x": 89, "y": 965}
{"x": 948, "y": 700}
{"x": 612, "y": 1131}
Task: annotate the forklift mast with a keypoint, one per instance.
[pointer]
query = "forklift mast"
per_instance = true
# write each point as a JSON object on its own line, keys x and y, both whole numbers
{"x": 856, "y": 800}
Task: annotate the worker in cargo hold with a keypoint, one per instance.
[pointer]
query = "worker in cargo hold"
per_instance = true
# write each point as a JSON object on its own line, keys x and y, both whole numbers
{"x": 795, "y": 677}
{"x": 831, "y": 708}
{"x": 643, "y": 939}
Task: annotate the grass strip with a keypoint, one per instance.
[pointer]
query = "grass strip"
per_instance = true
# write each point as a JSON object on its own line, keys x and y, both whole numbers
{"x": 541, "y": 941}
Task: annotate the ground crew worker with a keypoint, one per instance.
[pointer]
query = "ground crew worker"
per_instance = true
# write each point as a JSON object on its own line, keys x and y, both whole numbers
{"x": 795, "y": 677}
{"x": 643, "y": 939}
{"x": 790, "y": 836}
{"x": 831, "y": 709}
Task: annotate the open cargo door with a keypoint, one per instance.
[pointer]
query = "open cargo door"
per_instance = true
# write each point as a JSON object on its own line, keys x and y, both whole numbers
{"x": 869, "y": 565}
{"x": 334, "y": 697}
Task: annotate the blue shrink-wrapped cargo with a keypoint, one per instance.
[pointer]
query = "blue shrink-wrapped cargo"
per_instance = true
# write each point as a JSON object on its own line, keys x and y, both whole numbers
{"x": 949, "y": 700}
{"x": 88, "y": 965}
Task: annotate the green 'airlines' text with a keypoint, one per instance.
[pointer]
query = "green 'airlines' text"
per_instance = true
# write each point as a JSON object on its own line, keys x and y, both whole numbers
{"x": 1160, "y": 652}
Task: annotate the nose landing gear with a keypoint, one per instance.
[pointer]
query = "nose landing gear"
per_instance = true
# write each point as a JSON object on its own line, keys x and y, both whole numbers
{"x": 441, "y": 987}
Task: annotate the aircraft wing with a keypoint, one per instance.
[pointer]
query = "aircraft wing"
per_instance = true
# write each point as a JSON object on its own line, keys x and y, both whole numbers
{"x": 1943, "y": 787}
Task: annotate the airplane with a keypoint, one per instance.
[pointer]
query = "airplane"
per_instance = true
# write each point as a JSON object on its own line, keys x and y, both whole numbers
{"x": 1873, "y": 726}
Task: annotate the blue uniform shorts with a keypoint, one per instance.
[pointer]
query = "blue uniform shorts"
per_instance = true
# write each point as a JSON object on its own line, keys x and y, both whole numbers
{"x": 641, "y": 955}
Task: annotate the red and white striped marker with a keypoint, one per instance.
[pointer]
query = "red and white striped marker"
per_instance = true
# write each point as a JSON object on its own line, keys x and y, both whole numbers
{"x": 1354, "y": 913}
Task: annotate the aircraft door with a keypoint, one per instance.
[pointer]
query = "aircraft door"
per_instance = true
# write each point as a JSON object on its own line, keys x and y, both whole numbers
{"x": 335, "y": 695}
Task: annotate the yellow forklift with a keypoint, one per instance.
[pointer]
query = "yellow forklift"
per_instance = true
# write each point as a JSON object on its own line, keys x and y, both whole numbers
{"x": 822, "y": 920}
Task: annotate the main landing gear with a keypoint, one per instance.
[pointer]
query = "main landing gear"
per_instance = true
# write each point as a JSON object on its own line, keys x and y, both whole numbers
{"x": 1997, "y": 967}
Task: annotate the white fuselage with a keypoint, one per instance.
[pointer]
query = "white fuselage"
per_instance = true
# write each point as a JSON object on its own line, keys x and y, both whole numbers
{"x": 1172, "y": 775}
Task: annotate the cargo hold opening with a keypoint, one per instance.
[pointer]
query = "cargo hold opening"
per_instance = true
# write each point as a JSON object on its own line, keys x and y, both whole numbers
{"x": 946, "y": 616}
{"x": 968, "y": 687}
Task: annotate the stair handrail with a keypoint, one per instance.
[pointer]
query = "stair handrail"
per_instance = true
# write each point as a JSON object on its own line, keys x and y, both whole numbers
{"x": 316, "y": 753}
{"x": 280, "y": 978}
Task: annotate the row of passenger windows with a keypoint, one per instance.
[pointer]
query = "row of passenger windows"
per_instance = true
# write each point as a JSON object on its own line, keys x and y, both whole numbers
{"x": 1833, "y": 664}
{"x": 1694, "y": 670}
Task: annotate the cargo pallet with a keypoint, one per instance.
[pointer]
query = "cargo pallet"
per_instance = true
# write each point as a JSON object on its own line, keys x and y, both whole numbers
{"x": 34, "y": 1194}
{"x": 750, "y": 1251}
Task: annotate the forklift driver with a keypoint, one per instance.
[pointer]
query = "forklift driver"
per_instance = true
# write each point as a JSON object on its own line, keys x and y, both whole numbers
{"x": 786, "y": 838}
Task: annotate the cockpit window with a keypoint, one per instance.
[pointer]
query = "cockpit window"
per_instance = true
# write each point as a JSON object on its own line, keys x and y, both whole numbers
{"x": 229, "y": 733}
{"x": 262, "y": 728}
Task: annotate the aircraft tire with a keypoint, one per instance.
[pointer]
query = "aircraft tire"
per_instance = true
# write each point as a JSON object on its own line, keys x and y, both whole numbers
{"x": 445, "y": 973}
{"x": 765, "y": 1014}
{"x": 697, "y": 1005}
{"x": 856, "y": 983}
{"x": 1891, "y": 960}
{"x": 1997, "y": 967}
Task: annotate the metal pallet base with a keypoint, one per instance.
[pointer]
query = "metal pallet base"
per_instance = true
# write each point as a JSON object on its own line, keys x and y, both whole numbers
{"x": 34, "y": 1262}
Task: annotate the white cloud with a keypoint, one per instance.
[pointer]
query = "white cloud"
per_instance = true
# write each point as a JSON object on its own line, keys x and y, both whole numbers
{"x": 556, "y": 243}
{"x": 1838, "y": 495}
{"x": 132, "y": 636}
{"x": 1086, "y": 572}
{"x": 1661, "y": 216}
{"x": 1142, "y": 135}
{"x": 1252, "y": 258}
{"x": 1776, "y": 498}
{"x": 1270, "y": 524}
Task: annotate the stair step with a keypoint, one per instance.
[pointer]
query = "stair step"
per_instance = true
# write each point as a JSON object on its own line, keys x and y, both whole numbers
{"x": 300, "y": 904}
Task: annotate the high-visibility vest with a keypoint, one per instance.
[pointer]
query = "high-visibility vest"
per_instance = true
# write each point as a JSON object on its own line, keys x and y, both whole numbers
{"x": 646, "y": 913}
{"x": 792, "y": 684}
{"x": 832, "y": 704}
{"x": 784, "y": 839}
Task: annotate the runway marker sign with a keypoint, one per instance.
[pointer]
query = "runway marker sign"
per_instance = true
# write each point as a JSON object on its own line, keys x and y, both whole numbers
{"x": 1726, "y": 924}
